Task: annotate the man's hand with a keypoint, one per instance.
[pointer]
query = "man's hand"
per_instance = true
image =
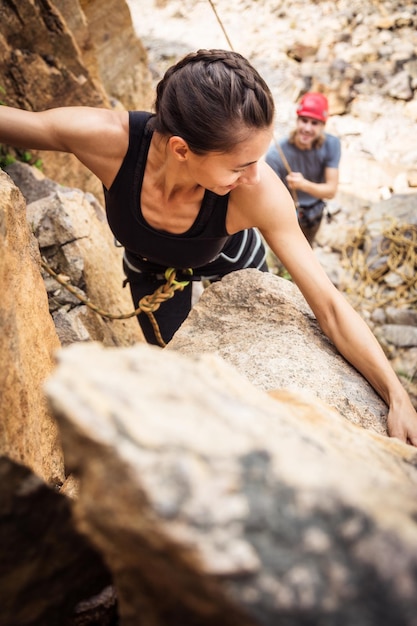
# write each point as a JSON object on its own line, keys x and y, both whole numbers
{"x": 296, "y": 180}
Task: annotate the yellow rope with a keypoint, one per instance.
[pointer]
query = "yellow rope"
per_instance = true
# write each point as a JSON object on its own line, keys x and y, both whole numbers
{"x": 278, "y": 147}
{"x": 369, "y": 263}
{"x": 148, "y": 304}
{"x": 221, "y": 24}
{"x": 287, "y": 166}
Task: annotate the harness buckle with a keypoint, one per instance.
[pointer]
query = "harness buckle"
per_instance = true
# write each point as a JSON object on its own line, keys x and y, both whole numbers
{"x": 170, "y": 274}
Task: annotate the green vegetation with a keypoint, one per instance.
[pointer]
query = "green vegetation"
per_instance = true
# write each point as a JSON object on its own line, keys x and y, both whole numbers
{"x": 5, "y": 158}
{"x": 10, "y": 155}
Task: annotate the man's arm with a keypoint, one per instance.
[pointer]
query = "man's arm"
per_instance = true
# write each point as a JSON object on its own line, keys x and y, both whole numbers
{"x": 326, "y": 190}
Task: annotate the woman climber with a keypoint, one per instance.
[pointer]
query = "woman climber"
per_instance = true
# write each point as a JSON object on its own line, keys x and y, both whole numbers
{"x": 186, "y": 188}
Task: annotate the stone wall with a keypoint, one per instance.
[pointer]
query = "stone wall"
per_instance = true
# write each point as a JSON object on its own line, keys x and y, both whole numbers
{"x": 70, "y": 54}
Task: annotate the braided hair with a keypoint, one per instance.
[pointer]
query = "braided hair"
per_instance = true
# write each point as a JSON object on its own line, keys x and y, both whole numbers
{"x": 212, "y": 99}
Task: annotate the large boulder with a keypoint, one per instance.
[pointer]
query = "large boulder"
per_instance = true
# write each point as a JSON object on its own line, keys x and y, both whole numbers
{"x": 48, "y": 570}
{"x": 214, "y": 503}
{"x": 261, "y": 324}
{"x": 76, "y": 242}
{"x": 28, "y": 341}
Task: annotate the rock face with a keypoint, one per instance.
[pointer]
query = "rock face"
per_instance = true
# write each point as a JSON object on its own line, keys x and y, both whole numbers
{"x": 55, "y": 54}
{"x": 28, "y": 342}
{"x": 210, "y": 502}
{"x": 75, "y": 240}
{"x": 214, "y": 503}
{"x": 48, "y": 57}
{"x": 262, "y": 325}
{"x": 46, "y": 568}
{"x": 42, "y": 67}
{"x": 121, "y": 58}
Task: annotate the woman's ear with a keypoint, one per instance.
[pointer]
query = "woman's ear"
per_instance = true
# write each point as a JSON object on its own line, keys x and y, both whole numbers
{"x": 179, "y": 148}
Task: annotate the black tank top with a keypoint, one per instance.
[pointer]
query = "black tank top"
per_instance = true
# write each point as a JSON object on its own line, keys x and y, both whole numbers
{"x": 198, "y": 246}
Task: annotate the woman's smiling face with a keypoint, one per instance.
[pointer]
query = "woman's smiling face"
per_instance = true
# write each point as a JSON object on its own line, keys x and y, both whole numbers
{"x": 221, "y": 172}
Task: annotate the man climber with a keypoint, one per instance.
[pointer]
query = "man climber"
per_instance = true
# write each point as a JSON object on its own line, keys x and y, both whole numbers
{"x": 307, "y": 162}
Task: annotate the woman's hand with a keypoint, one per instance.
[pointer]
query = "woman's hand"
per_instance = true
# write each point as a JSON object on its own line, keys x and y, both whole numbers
{"x": 402, "y": 421}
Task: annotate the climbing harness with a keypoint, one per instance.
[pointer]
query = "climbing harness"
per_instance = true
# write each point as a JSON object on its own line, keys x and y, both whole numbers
{"x": 148, "y": 304}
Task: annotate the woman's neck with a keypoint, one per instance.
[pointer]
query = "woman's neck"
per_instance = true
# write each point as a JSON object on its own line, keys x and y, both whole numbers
{"x": 169, "y": 175}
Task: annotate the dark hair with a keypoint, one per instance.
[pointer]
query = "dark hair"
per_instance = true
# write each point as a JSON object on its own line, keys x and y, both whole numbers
{"x": 211, "y": 98}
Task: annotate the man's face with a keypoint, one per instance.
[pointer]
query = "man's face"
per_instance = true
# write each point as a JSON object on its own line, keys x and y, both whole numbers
{"x": 308, "y": 130}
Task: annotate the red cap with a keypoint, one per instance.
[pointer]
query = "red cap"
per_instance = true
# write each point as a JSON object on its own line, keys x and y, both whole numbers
{"x": 314, "y": 105}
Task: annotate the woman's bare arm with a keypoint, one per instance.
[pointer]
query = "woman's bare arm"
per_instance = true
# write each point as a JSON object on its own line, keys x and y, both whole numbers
{"x": 269, "y": 207}
{"x": 97, "y": 137}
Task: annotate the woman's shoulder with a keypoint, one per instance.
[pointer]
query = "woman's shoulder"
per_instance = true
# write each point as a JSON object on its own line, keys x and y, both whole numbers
{"x": 139, "y": 119}
{"x": 135, "y": 114}
{"x": 255, "y": 205}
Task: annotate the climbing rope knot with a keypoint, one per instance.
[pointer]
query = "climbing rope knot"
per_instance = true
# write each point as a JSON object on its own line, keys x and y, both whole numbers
{"x": 170, "y": 277}
{"x": 151, "y": 303}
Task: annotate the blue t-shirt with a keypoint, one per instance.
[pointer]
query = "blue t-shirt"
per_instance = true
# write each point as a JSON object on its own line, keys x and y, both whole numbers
{"x": 311, "y": 163}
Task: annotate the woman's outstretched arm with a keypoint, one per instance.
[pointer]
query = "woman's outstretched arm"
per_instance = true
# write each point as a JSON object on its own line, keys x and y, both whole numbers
{"x": 97, "y": 137}
{"x": 269, "y": 206}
